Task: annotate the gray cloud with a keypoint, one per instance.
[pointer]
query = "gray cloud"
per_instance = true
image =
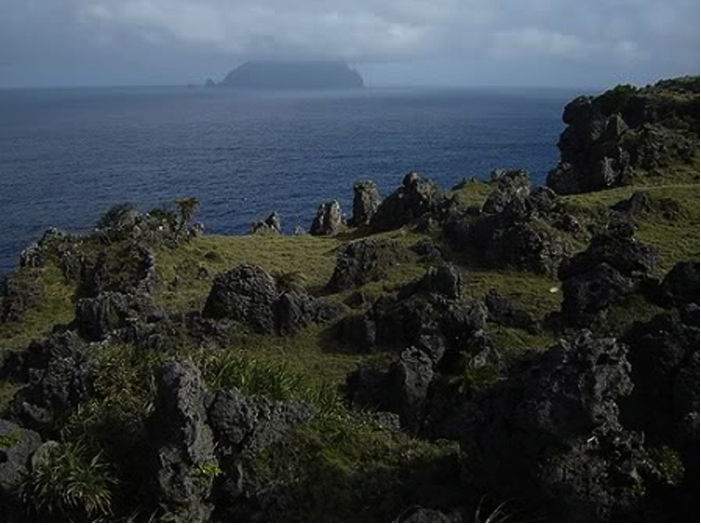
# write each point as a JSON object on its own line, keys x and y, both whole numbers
{"x": 556, "y": 42}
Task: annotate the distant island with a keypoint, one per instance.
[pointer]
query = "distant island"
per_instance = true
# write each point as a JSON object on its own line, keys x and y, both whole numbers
{"x": 293, "y": 75}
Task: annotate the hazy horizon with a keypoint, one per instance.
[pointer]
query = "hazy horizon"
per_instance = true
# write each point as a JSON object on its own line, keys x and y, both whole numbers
{"x": 392, "y": 43}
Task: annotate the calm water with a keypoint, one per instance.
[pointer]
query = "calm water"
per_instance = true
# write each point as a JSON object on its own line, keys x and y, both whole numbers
{"x": 67, "y": 155}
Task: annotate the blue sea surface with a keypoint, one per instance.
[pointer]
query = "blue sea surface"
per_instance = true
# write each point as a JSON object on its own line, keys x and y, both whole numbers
{"x": 67, "y": 155}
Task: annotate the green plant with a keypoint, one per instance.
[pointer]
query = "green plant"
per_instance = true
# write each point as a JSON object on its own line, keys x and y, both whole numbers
{"x": 69, "y": 483}
{"x": 9, "y": 440}
{"x": 188, "y": 208}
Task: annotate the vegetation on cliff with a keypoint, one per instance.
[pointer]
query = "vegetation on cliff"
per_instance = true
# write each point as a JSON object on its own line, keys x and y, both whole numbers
{"x": 152, "y": 372}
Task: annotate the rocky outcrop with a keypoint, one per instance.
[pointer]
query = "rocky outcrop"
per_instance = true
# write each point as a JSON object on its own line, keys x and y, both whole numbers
{"x": 17, "y": 445}
{"x": 328, "y": 220}
{"x": 251, "y": 296}
{"x": 623, "y": 131}
{"x": 550, "y": 436}
{"x": 613, "y": 266}
{"x": 366, "y": 200}
{"x": 58, "y": 378}
{"x": 417, "y": 196}
{"x": 99, "y": 316}
{"x": 366, "y": 261}
{"x": 518, "y": 227}
{"x": 268, "y": 74}
{"x": 269, "y": 225}
{"x": 681, "y": 285}
{"x": 18, "y": 294}
{"x": 183, "y": 444}
{"x": 504, "y": 312}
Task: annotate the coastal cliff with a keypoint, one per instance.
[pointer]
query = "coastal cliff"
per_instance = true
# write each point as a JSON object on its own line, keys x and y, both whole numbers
{"x": 293, "y": 75}
{"x": 488, "y": 352}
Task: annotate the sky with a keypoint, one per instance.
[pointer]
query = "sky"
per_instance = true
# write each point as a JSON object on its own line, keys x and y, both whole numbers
{"x": 559, "y": 43}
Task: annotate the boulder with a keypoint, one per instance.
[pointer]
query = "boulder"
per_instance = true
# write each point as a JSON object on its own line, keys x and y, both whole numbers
{"x": 59, "y": 378}
{"x": 245, "y": 294}
{"x": 271, "y": 224}
{"x": 414, "y": 198}
{"x": 549, "y": 434}
{"x": 681, "y": 285}
{"x": 366, "y": 261}
{"x": 17, "y": 445}
{"x": 366, "y": 200}
{"x": 243, "y": 423}
{"x": 442, "y": 280}
{"x": 97, "y": 317}
{"x": 409, "y": 379}
{"x": 510, "y": 185}
{"x": 328, "y": 220}
{"x": 183, "y": 444}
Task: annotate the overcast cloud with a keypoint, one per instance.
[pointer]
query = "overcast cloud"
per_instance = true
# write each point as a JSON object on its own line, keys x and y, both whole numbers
{"x": 430, "y": 42}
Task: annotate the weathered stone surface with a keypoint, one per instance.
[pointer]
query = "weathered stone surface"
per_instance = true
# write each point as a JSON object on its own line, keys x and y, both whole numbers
{"x": 17, "y": 296}
{"x": 409, "y": 379}
{"x": 245, "y": 294}
{"x": 681, "y": 285}
{"x": 366, "y": 261}
{"x": 509, "y": 185}
{"x": 504, "y": 312}
{"x": 423, "y": 515}
{"x": 243, "y": 423}
{"x": 550, "y": 435}
{"x": 58, "y": 378}
{"x": 442, "y": 280}
{"x": 183, "y": 444}
{"x": 328, "y": 220}
{"x": 17, "y": 445}
{"x": 99, "y": 316}
{"x": 271, "y": 224}
{"x": 415, "y": 197}
{"x": 366, "y": 200}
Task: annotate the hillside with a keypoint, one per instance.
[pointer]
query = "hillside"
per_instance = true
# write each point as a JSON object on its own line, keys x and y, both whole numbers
{"x": 490, "y": 352}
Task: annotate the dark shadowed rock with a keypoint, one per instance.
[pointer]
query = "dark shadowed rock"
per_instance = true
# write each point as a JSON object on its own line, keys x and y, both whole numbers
{"x": 509, "y": 185}
{"x": 442, "y": 280}
{"x": 409, "y": 379}
{"x": 366, "y": 200}
{"x": 31, "y": 257}
{"x": 366, "y": 261}
{"x": 99, "y": 316}
{"x": 58, "y": 377}
{"x": 422, "y": 515}
{"x": 414, "y": 198}
{"x": 17, "y": 445}
{"x": 549, "y": 435}
{"x": 245, "y": 294}
{"x": 328, "y": 220}
{"x": 183, "y": 444}
{"x": 271, "y": 224}
{"x": 119, "y": 216}
{"x": 243, "y": 423}
{"x": 681, "y": 285}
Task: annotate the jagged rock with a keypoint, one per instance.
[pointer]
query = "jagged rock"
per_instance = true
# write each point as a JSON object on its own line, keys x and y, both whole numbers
{"x": 623, "y": 132}
{"x": 504, "y": 312}
{"x": 183, "y": 444}
{"x": 366, "y": 261}
{"x": 616, "y": 247}
{"x": 366, "y": 387}
{"x": 357, "y": 332}
{"x": 549, "y": 435}
{"x": 97, "y": 317}
{"x": 642, "y": 204}
{"x": 510, "y": 185}
{"x": 31, "y": 257}
{"x": 587, "y": 295}
{"x": 243, "y": 423}
{"x": 681, "y": 285}
{"x": 251, "y": 296}
{"x": 17, "y": 445}
{"x": 366, "y": 200}
{"x": 18, "y": 294}
{"x": 415, "y": 197}
{"x": 271, "y": 224}
{"x": 409, "y": 379}
{"x": 328, "y": 220}
{"x": 664, "y": 354}
{"x": 428, "y": 250}
{"x": 245, "y": 294}
{"x": 58, "y": 377}
{"x": 442, "y": 280}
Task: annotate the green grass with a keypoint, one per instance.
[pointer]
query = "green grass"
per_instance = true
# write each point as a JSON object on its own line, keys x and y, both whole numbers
{"x": 55, "y": 306}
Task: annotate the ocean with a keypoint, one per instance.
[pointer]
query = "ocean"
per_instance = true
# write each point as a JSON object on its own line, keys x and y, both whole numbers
{"x": 67, "y": 155}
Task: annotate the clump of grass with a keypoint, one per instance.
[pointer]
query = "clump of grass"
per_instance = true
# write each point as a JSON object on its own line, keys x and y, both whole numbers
{"x": 71, "y": 484}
